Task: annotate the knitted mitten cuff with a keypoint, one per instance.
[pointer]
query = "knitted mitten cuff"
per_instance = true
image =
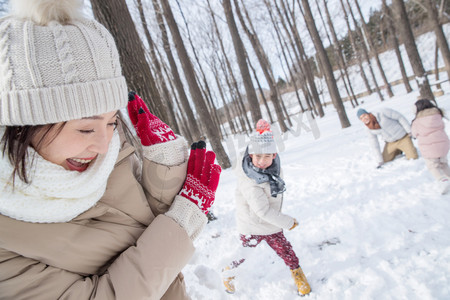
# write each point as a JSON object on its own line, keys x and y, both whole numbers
{"x": 170, "y": 153}
{"x": 187, "y": 215}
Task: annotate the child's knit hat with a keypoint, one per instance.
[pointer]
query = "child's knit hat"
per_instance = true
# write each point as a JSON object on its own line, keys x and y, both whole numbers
{"x": 262, "y": 141}
{"x": 56, "y": 65}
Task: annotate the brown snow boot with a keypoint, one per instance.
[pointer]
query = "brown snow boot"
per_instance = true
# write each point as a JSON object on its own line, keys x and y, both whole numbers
{"x": 228, "y": 282}
{"x": 301, "y": 282}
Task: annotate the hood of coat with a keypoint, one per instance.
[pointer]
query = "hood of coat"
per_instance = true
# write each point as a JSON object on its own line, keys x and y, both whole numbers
{"x": 429, "y": 118}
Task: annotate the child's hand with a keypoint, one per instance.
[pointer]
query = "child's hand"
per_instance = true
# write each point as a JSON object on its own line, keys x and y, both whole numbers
{"x": 295, "y": 224}
{"x": 202, "y": 177}
{"x": 149, "y": 128}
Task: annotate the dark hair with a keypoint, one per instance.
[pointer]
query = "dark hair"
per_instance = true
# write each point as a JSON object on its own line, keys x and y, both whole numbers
{"x": 426, "y": 104}
{"x": 16, "y": 141}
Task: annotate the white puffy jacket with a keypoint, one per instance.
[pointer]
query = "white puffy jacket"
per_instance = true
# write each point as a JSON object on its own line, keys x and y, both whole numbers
{"x": 257, "y": 212}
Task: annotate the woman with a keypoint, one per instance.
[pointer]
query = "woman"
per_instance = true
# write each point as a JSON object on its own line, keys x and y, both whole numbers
{"x": 82, "y": 214}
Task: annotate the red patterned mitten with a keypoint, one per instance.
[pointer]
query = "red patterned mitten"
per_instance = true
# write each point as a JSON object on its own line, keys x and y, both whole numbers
{"x": 149, "y": 128}
{"x": 202, "y": 177}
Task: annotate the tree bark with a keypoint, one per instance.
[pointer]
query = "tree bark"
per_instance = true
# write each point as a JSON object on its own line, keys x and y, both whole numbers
{"x": 239, "y": 49}
{"x": 411, "y": 50}
{"x": 393, "y": 35}
{"x": 193, "y": 128}
{"x": 325, "y": 62}
{"x": 374, "y": 51}
{"x": 340, "y": 57}
{"x": 158, "y": 72}
{"x": 433, "y": 18}
{"x": 116, "y": 17}
{"x": 365, "y": 52}
{"x": 195, "y": 91}
{"x": 355, "y": 50}
{"x": 229, "y": 71}
{"x": 291, "y": 29}
{"x": 264, "y": 63}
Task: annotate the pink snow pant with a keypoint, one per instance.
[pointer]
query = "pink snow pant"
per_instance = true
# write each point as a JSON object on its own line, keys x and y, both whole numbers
{"x": 277, "y": 242}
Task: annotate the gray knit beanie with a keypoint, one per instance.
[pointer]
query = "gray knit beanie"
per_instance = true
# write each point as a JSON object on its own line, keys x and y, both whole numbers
{"x": 56, "y": 65}
{"x": 262, "y": 141}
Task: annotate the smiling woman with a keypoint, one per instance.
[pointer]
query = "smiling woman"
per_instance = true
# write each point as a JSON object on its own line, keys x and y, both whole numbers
{"x": 76, "y": 143}
{"x": 99, "y": 214}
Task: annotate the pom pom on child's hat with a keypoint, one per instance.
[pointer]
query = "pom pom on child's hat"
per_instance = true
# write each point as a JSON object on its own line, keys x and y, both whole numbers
{"x": 56, "y": 65}
{"x": 262, "y": 141}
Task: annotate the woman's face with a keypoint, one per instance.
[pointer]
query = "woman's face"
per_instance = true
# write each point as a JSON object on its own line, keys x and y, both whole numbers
{"x": 78, "y": 142}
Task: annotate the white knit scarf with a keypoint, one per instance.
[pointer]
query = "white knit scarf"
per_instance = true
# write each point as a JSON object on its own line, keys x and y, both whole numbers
{"x": 55, "y": 194}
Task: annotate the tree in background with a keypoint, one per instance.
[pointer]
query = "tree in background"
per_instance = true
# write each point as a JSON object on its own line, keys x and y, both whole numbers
{"x": 393, "y": 36}
{"x": 326, "y": 65}
{"x": 441, "y": 41}
{"x": 194, "y": 89}
{"x": 411, "y": 49}
{"x": 240, "y": 51}
{"x": 115, "y": 16}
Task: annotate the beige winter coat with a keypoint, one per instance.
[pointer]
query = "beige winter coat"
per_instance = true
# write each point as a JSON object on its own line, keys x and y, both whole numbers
{"x": 122, "y": 248}
{"x": 257, "y": 212}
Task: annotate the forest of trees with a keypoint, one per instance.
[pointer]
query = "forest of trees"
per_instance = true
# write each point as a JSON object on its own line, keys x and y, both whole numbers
{"x": 211, "y": 68}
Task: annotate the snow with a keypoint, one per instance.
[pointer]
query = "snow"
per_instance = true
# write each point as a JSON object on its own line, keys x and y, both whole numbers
{"x": 364, "y": 233}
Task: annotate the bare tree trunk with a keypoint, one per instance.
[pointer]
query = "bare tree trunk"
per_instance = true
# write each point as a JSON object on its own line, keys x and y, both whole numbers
{"x": 365, "y": 52}
{"x": 229, "y": 71}
{"x": 393, "y": 34}
{"x": 411, "y": 50}
{"x": 239, "y": 49}
{"x": 193, "y": 128}
{"x": 339, "y": 57}
{"x": 433, "y": 18}
{"x": 116, "y": 17}
{"x": 194, "y": 89}
{"x": 302, "y": 58}
{"x": 285, "y": 48}
{"x": 181, "y": 118}
{"x": 374, "y": 51}
{"x": 261, "y": 92}
{"x": 264, "y": 63}
{"x": 222, "y": 96}
{"x": 355, "y": 50}
{"x": 158, "y": 72}
{"x": 206, "y": 90}
{"x": 325, "y": 62}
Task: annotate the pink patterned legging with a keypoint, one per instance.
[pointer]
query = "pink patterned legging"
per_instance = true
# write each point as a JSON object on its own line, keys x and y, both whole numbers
{"x": 277, "y": 242}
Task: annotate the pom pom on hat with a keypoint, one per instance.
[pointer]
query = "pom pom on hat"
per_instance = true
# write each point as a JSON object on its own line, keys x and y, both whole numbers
{"x": 262, "y": 142}
{"x": 262, "y": 126}
{"x": 44, "y": 11}
{"x": 56, "y": 66}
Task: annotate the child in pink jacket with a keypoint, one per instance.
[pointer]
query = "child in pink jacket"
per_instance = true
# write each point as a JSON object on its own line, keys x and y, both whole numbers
{"x": 429, "y": 129}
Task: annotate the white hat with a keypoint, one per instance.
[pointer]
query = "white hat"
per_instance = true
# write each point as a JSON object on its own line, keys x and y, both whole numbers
{"x": 262, "y": 141}
{"x": 56, "y": 66}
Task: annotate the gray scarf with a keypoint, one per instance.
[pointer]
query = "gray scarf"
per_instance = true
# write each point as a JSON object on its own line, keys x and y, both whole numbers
{"x": 270, "y": 174}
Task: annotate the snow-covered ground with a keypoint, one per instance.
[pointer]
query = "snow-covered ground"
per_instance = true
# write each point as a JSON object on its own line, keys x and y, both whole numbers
{"x": 364, "y": 233}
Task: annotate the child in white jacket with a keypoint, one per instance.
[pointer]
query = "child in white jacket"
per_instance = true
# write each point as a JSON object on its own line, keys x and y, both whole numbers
{"x": 259, "y": 198}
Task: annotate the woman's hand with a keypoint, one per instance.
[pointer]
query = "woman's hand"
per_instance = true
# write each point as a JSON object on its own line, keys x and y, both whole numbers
{"x": 202, "y": 177}
{"x": 149, "y": 128}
